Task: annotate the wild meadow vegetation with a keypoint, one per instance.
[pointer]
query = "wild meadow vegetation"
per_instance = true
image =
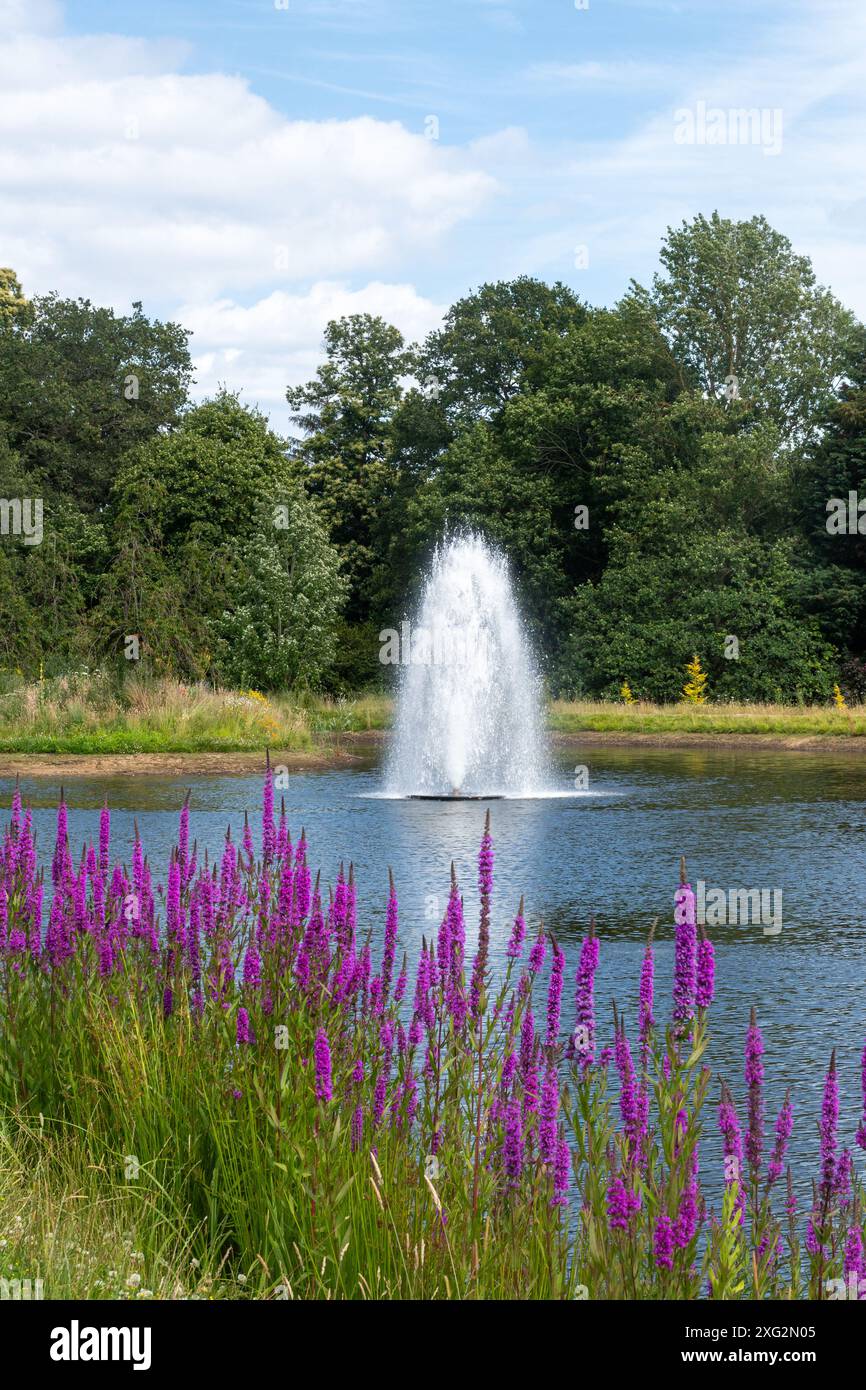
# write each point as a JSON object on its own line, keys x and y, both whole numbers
{"x": 96, "y": 713}
{"x": 93, "y": 712}
{"x": 664, "y": 476}
{"x": 223, "y": 1084}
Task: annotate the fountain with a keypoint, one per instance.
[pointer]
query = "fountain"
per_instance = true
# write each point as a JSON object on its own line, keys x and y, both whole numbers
{"x": 468, "y": 722}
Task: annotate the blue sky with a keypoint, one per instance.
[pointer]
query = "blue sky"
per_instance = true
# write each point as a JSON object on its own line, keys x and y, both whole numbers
{"x": 254, "y": 169}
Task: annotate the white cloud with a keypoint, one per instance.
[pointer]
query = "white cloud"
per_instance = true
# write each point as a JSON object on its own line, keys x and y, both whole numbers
{"x": 122, "y": 176}
{"x": 263, "y": 347}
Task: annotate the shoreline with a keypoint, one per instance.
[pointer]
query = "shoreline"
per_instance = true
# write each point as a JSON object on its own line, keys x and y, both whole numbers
{"x": 351, "y": 749}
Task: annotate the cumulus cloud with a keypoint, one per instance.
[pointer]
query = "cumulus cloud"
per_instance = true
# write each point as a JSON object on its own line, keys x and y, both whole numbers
{"x": 263, "y": 347}
{"x": 123, "y": 176}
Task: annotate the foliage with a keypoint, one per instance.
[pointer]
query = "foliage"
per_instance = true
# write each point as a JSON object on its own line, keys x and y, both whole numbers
{"x": 285, "y": 597}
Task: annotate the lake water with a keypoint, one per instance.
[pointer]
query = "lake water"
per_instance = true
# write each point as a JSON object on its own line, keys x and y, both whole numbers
{"x": 789, "y": 823}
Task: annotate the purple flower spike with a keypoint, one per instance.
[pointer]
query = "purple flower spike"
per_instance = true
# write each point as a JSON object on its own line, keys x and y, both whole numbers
{"x": 754, "y": 1082}
{"x": 784, "y": 1129}
{"x": 685, "y": 956}
{"x": 554, "y": 995}
{"x": 322, "y": 1053}
{"x": 861, "y": 1132}
{"x": 828, "y": 1127}
{"x": 663, "y": 1242}
{"x": 646, "y": 998}
{"x": 584, "y": 1031}
{"x": 518, "y": 935}
{"x": 537, "y": 953}
{"x": 729, "y": 1127}
{"x": 244, "y": 1031}
{"x": 706, "y": 980}
{"x": 512, "y": 1147}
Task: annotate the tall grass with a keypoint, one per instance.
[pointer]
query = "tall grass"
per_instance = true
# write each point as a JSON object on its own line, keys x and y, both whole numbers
{"x": 220, "y": 1086}
{"x": 91, "y": 713}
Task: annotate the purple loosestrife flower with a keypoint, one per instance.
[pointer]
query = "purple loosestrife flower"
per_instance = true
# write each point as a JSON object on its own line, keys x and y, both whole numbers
{"x": 183, "y": 841}
{"x": 485, "y": 861}
{"x": 400, "y": 987}
{"x": 167, "y": 1000}
{"x": 844, "y": 1175}
{"x": 547, "y": 1116}
{"x": 561, "y": 1172}
{"x": 527, "y": 1041}
{"x": 584, "y": 1031}
{"x": 754, "y": 1082}
{"x": 706, "y": 979}
{"x": 509, "y": 1071}
{"x": 854, "y": 1267}
{"x": 828, "y": 1127}
{"x": 663, "y": 1242}
{"x": 784, "y": 1129}
{"x": 357, "y": 1128}
{"x": 537, "y": 953}
{"x": 729, "y": 1127}
{"x": 518, "y": 935}
{"x": 628, "y": 1107}
{"x": 531, "y": 1094}
{"x": 861, "y": 1132}
{"x": 646, "y": 1022}
{"x": 244, "y": 1030}
{"x": 252, "y": 969}
{"x": 173, "y": 910}
{"x": 554, "y": 994}
{"x": 104, "y": 839}
{"x": 269, "y": 829}
{"x": 685, "y": 957}
{"x": 513, "y": 1145}
{"x": 391, "y": 921}
{"x": 247, "y": 842}
{"x": 284, "y": 844}
{"x": 688, "y": 1213}
{"x": 485, "y": 884}
{"x": 303, "y": 881}
{"x": 621, "y": 1203}
{"x": 617, "y": 1205}
{"x": 322, "y": 1053}
{"x": 61, "y": 846}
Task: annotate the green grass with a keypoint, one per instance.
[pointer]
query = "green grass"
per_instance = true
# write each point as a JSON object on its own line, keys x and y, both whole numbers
{"x": 578, "y": 716}
{"x": 91, "y": 714}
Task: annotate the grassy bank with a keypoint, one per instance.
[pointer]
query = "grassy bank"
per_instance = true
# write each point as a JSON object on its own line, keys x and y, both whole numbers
{"x": 579, "y": 716}
{"x": 87, "y": 713}
{"x": 91, "y": 714}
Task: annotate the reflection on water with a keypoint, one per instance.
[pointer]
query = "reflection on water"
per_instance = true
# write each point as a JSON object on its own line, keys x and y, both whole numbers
{"x": 793, "y": 823}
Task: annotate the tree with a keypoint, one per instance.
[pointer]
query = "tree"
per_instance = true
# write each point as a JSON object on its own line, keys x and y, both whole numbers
{"x": 836, "y": 532}
{"x": 539, "y": 475}
{"x": 14, "y": 308}
{"x": 285, "y": 602}
{"x": 183, "y": 505}
{"x": 346, "y": 457}
{"x": 80, "y": 386}
{"x": 745, "y": 318}
{"x": 700, "y": 559}
{"x": 494, "y": 344}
